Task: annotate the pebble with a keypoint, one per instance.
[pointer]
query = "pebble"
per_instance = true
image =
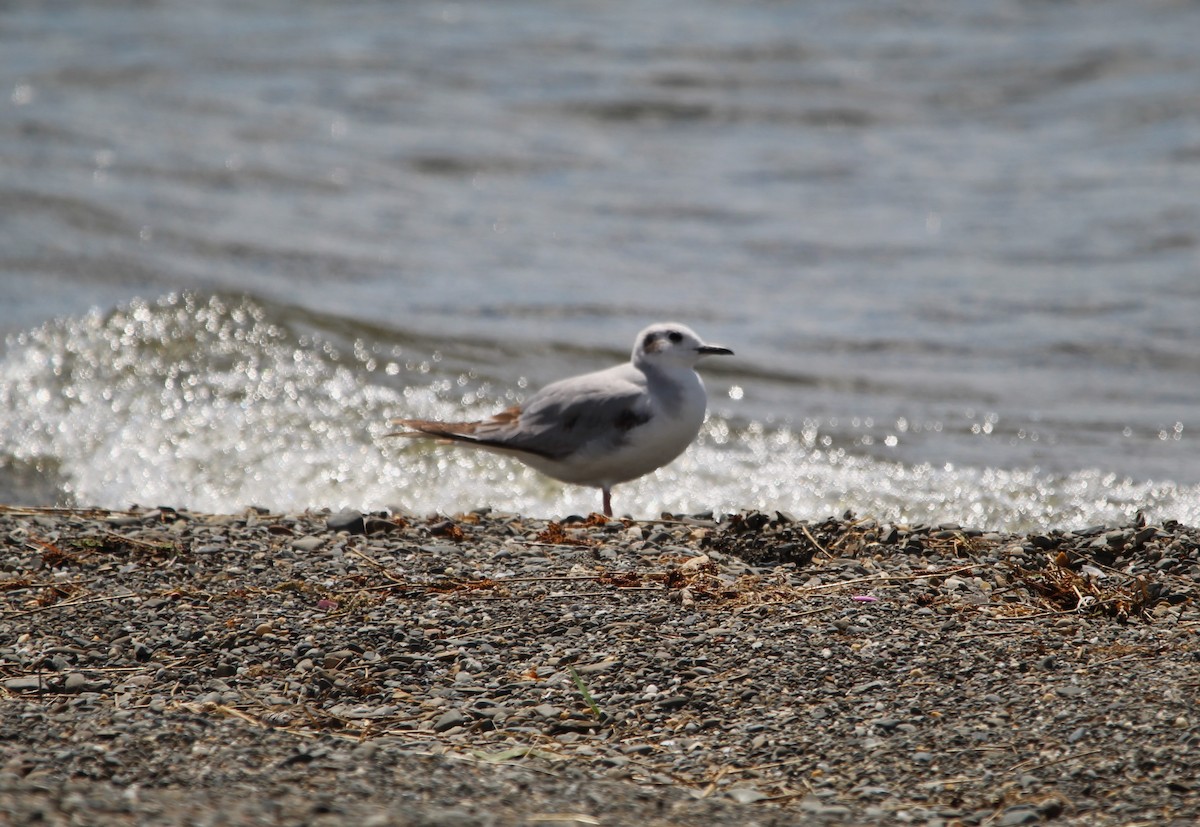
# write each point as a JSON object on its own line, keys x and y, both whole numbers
{"x": 348, "y": 520}
{"x": 339, "y": 659}
{"x": 310, "y": 543}
{"x": 449, "y": 720}
{"x": 745, "y": 794}
{"x": 446, "y": 664}
{"x": 28, "y": 683}
{"x": 1014, "y": 816}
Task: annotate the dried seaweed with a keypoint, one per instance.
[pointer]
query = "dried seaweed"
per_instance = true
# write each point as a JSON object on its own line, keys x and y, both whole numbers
{"x": 1060, "y": 588}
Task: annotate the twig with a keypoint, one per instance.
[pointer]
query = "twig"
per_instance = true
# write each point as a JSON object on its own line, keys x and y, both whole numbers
{"x": 1093, "y": 562}
{"x": 143, "y": 543}
{"x": 561, "y": 818}
{"x": 813, "y": 540}
{"x": 396, "y": 579}
{"x": 1035, "y": 616}
{"x": 712, "y": 785}
{"x": 675, "y": 777}
{"x": 564, "y": 595}
{"x": 6, "y": 589}
{"x": 237, "y": 713}
{"x": 1021, "y": 765}
{"x": 778, "y": 799}
{"x": 962, "y": 779}
{"x": 69, "y": 603}
{"x": 1120, "y": 659}
{"x": 33, "y": 511}
{"x": 990, "y": 633}
{"x": 795, "y": 616}
{"x": 888, "y": 578}
{"x": 548, "y": 579}
{"x": 787, "y": 763}
{"x": 534, "y": 752}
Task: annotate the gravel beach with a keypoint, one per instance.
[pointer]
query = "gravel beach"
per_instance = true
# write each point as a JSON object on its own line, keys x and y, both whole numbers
{"x": 165, "y": 667}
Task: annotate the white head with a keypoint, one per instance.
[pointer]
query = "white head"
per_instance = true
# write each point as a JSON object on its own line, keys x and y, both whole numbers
{"x": 671, "y": 343}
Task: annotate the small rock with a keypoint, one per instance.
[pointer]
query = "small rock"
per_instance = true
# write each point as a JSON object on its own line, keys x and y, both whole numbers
{"x": 449, "y": 720}
{"x": 745, "y": 794}
{"x": 375, "y": 525}
{"x": 74, "y": 683}
{"x": 814, "y": 805}
{"x": 335, "y": 660}
{"x": 1017, "y": 815}
{"x": 310, "y": 543}
{"x": 28, "y": 683}
{"x": 348, "y": 519}
{"x": 1051, "y": 807}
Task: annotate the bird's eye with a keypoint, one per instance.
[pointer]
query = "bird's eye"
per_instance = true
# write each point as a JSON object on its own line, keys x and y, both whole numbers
{"x": 675, "y": 336}
{"x": 648, "y": 341}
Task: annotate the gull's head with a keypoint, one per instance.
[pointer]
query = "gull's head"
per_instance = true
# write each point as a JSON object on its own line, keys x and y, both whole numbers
{"x": 671, "y": 343}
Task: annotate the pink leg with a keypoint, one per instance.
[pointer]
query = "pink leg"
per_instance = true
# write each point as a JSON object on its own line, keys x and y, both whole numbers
{"x": 607, "y": 502}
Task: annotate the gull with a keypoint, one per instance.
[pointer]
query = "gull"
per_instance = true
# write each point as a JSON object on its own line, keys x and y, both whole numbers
{"x": 603, "y": 428}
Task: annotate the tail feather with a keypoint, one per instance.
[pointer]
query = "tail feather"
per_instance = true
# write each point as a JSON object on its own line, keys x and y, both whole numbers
{"x": 459, "y": 431}
{"x": 443, "y": 431}
{"x": 491, "y": 434}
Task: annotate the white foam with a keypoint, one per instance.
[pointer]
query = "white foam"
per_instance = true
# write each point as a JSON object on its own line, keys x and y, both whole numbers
{"x": 207, "y": 403}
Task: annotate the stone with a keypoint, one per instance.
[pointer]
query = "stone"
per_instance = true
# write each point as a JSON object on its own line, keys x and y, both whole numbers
{"x": 1018, "y": 815}
{"x": 744, "y": 794}
{"x": 449, "y": 720}
{"x": 348, "y": 520}
{"x": 309, "y": 543}
{"x": 26, "y": 683}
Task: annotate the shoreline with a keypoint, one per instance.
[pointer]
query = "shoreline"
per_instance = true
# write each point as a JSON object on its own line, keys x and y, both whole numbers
{"x": 160, "y": 666}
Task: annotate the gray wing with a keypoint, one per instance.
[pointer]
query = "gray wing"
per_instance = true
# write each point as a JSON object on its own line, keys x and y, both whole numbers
{"x": 594, "y": 411}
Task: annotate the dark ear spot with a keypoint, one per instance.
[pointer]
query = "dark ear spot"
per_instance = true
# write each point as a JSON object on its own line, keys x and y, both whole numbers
{"x": 675, "y": 336}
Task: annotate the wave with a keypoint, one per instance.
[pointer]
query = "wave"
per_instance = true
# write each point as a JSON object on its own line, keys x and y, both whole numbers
{"x": 217, "y": 403}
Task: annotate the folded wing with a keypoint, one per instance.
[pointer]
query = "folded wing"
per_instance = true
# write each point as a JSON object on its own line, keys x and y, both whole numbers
{"x": 575, "y": 415}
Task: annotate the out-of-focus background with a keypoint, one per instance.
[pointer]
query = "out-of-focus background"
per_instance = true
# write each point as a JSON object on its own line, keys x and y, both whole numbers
{"x": 956, "y": 246}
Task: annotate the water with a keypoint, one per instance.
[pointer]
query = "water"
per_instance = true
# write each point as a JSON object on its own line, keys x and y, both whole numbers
{"x": 954, "y": 245}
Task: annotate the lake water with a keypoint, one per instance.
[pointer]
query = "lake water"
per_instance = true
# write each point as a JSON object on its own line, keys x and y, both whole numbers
{"x": 955, "y": 245}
